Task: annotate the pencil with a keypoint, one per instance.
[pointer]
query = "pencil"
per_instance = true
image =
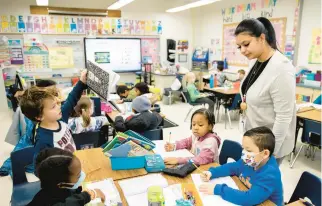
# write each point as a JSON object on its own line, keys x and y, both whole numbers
{"x": 170, "y": 137}
{"x": 200, "y": 170}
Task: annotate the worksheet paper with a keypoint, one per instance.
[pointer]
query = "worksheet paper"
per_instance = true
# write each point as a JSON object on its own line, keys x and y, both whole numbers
{"x": 210, "y": 200}
{"x": 159, "y": 149}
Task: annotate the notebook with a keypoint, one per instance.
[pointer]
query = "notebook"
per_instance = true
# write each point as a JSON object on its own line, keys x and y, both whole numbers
{"x": 159, "y": 149}
{"x": 210, "y": 200}
{"x": 112, "y": 196}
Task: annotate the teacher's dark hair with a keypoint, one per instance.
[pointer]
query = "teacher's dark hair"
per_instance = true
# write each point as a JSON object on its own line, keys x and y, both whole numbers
{"x": 256, "y": 27}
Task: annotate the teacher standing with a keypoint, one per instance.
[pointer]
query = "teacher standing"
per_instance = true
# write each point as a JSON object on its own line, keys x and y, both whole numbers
{"x": 268, "y": 90}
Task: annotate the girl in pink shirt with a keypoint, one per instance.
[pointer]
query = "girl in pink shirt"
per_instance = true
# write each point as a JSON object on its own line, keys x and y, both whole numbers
{"x": 203, "y": 143}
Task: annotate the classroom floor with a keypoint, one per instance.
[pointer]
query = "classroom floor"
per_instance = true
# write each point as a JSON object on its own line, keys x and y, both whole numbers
{"x": 175, "y": 113}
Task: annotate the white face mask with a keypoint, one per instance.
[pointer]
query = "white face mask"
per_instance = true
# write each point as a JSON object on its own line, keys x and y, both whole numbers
{"x": 249, "y": 158}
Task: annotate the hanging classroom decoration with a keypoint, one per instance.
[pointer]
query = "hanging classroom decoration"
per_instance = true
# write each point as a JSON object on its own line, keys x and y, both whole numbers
{"x": 15, "y": 47}
{"x": 315, "y": 54}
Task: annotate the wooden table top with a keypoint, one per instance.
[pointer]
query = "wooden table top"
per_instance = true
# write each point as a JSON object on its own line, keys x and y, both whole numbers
{"x": 98, "y": 167}
{"x": 112, "y": 115}
{"x": 223, "y": 91}
{"x": 92, "y": 159}
{"x": 310, "y": 113}
{"x": 297, "y": 203}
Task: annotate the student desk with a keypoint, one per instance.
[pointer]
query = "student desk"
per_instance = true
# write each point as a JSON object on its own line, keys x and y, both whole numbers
{"x": 227, "y": 95}
{"x": 307, "y": 113}
{"x": 297, "y": 203}
{"x": 92, "y": 159}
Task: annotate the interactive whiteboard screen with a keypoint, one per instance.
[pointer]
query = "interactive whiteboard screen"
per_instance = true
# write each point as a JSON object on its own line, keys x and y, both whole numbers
{"x": 116, "y": 54}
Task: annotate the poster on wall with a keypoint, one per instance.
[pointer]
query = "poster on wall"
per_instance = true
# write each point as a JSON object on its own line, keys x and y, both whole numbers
{"x": 215, "y": 49}
{"x": 16, "y": 52}
{"x": 61, "y": 57}
{"x": 183, "y": 46}
{"x": 4, "y": 51}
{"x": 315, "y": 50}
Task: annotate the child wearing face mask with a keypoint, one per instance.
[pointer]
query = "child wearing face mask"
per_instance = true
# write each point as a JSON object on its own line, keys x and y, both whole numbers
{"x": 257, "y": 169}
{"x": 61, "y": 176}
{"x": 203, "y": 143}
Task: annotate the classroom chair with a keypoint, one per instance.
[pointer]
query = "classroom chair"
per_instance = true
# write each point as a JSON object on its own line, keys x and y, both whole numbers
{"x": 23, "y": 191}
{"x": 230, "y": 149}
{"x": 308, "y": 186}
{"x": 192, "y": 104}
{"x": 311, "y": 137}
{"x": 155, "y": 134}
{"x": 92, "y": 139}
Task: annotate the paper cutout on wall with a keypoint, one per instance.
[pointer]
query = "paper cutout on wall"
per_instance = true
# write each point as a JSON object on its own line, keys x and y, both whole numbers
{"x": 35, "y": 57}
{"x": 150, "y": 48}
{"x": 315, "y": 50}
{"x": 16, "y": 55}
{"x": 61, "y": 57}
{"x": 77, "y": 25}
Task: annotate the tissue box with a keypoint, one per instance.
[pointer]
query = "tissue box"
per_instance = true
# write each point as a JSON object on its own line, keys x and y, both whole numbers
{"x": 154, "y": 163}
{"x": 127, "y": 163}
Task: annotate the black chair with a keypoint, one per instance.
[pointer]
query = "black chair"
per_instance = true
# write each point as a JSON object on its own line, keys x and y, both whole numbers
{"x": 192, "y": 104}
{"x": 230, "y": 149}
{"x": 97, "y": 106}
{"x": 93, "y": 139}
{"x": 308, "y": 186}
{"x": 23, "y": 191}
{"x": 155, "y": 134}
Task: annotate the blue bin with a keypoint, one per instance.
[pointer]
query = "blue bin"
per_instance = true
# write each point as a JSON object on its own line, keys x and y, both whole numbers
{"x": 127, "y": 163}
{"x": 310, "y": 76}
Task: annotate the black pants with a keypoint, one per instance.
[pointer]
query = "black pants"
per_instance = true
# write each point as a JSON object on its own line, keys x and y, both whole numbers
{"x": 208, "y": 101}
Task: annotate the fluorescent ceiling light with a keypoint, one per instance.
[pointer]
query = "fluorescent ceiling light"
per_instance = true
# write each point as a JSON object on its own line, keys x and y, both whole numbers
{"x": 191, "y": 5}
{"x": 119, "y": 4}
{"x": 42, "y": 2}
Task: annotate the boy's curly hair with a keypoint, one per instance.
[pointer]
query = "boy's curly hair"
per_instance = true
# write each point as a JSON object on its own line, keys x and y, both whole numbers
{"x": 32, "y": 101}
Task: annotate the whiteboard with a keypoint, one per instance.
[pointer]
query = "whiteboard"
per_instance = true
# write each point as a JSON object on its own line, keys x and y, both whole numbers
{"x": 116, "y": 54}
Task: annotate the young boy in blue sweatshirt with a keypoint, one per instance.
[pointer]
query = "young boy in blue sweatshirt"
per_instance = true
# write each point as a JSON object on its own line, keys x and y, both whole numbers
{"x": 257, "y": 169}
{"x": 44, "y": 107}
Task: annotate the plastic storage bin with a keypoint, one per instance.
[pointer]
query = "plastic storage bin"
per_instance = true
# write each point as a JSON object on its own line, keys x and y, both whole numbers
{"x": 310, "y": 76}
{"x": 127, "y": 163}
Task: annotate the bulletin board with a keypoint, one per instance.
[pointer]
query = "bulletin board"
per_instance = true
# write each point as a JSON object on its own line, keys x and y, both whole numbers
{"x": 150, "y": 49}
{"x": 232, "y": 53}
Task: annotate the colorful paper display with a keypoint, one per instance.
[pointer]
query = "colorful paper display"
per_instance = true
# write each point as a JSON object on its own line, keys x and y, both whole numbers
{"x": 61, "y": 57}
{"x": 315, "y": 54}
{"x": 77, "y": 25}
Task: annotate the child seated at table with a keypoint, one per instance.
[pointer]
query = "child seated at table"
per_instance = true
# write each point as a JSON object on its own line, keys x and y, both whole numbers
{"x": 257, "y": 169}
{"x": 85, "y": 122}
{"x": 194, "y": 94}
{"x": 44, "y": 107}
{"x": 203, "y": 143}
{"x": 123, "y": 91}
{"x": 61, "y": 176}
{"x": 143, "y": 89}
{"x": 142, "y": 120}
{"x": 241, "y": 74}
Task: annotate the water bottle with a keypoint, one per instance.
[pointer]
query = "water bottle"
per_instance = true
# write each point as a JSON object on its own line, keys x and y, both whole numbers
{"x": 211, "y": 81}
{"x": 225, "y": 64}
{"x": 215, "y": 81}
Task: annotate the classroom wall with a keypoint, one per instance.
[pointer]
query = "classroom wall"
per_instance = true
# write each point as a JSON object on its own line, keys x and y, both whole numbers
{"x": 311, "y": 18}
{"x": 208, "y": 20}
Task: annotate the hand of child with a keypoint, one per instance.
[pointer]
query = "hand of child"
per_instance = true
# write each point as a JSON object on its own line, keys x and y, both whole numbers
{"x": 100, "y": 194}
{"x": 207, "y": 189}
{"x": 169, "y": 147}
{"x": 83, "y": 76}
{"x": 205, "y": 176}
{"x": 170, "y": 161}
{"x": 120, "y": 101}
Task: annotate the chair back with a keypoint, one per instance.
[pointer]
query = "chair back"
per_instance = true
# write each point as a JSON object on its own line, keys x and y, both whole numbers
{"x": 311, "y": 132}
{"x": 97, "y": 106}
{"x": 87, "y": 140}
{"x": 155, "y": 134}
{"x": 235, "y": 104}
{"x": 187, "y": 95}
{"x": 308, "y": 186}
{"x": 230, "y": 149}
{"x": 19, "y": 160}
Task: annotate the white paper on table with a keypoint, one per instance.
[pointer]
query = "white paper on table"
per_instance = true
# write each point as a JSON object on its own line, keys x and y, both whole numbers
{"x": 170, "y": 193}
{"x": 108, "y": 188}
{"x": 159, "y": 149}
{"x": 210, "y": 200}
{"x": 139, "y": 185}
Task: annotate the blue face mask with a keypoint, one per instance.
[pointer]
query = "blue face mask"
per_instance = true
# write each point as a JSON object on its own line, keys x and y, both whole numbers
{"x": 78, "y": 183}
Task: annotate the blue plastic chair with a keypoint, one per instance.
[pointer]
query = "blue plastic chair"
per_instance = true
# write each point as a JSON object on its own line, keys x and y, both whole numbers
{"x": 230, "y": 149}
{"x": 155, "y": 134}
{"x": 311, "y": 137}
{"x": 193, "y": 104}
{"x": 23, "y": 191}
{"x": 318, "y": 100}
{"x": 308, "y": 186}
